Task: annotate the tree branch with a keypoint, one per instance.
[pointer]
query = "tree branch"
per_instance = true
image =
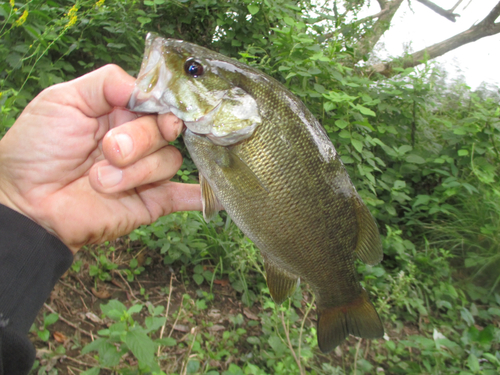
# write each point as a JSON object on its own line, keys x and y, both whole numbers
{"x": 455, "y": 6}
{"x": 380, "y": 26}
{"x": 448, "y": 14}
{"x": 490, "y": 18}
{"x": 486, "y": 27}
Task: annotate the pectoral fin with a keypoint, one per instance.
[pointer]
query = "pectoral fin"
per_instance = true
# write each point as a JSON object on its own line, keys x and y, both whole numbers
{"x": 369, "y": 246}
{"x": 281, "y": 283}
{"x": 232, "y": 164}
{"x": 211, "y": 205}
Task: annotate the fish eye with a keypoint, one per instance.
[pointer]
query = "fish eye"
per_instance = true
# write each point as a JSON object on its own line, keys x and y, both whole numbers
{"x": 193, "y": 68}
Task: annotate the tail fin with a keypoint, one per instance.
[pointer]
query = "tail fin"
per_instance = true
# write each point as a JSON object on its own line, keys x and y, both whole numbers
{"x": 358, "y": 318}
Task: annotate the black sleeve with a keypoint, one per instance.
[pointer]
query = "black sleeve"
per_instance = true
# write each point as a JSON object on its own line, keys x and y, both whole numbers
{"x": 31, "y": 262}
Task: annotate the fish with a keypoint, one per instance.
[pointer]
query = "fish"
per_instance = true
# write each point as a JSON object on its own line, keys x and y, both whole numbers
{"x": 264, "y": 158}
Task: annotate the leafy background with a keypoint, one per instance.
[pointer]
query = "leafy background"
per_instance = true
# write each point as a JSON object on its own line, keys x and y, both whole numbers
{"x": 422, "y": 151}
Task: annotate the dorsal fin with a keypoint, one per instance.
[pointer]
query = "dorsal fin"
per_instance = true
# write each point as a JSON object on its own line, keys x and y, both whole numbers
{"x": 281, "y": 283}
{"x": 369, "y": 245}
{"x": 211, "y": 205}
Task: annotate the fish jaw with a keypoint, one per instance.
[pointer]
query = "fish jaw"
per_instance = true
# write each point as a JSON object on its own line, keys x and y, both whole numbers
{"x": 152, "y": 81}
{"x": 223, "y": 112}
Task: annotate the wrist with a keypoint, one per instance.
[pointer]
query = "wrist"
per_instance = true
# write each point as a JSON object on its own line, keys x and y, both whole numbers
{"x": 7, "y": 201}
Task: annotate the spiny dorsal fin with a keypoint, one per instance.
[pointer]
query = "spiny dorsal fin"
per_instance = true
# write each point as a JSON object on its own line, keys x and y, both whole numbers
{"x": 358, "y": 318}
{"x": 211, "y": 205}
{"x": 369, "y": 246}
{"x": 281, "y": 283}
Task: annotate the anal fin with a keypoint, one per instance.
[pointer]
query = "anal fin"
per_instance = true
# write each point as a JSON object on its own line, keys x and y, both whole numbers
{"x": 211, "y": 205}
{"x": 358, "y": 318}
{"x": 281, "y": 283}
{"x": 369, "y": 245}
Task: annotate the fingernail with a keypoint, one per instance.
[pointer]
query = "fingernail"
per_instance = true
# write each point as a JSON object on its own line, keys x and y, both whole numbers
{"x": 109, "y": 176}
{"x": 125, "y": 144}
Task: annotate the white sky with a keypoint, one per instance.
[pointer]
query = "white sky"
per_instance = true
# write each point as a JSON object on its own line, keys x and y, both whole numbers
{"x": 478, "y": 61}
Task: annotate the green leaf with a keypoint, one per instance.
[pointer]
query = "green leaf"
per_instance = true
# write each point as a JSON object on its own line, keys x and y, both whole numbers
{"x": 421, "y": 199}
{"x": 144, "y": 20}
{"x": 253, "y": 340}
{"x": 92, "y": 371}
{"x": 198, "y": 278}
{"x": 404, "y": 149}
{"x": 463, "y": 152}
{"x": 135, "y": 309}
{"x": 473, "y": 363}
{"x": 341, "y": 124}
{"x": 289, "y": 21}
{"x": 467, "y": 316}
{"x": 328, "y": 106}
{"x": 364, "y": 110}
{"x": 253, "y": 9}
{"x": 141, "y": 346}
{"x": 44, "y": 335}
{"x": 345, "y": 134}
{"x": 415, "y": 159}
{"x": 114, "y": 309}
{"x": 50, "y": 319}
{"x": 96, "y": 345}
{"x": 358, "y": 145}
{"x": 193, "y": 366}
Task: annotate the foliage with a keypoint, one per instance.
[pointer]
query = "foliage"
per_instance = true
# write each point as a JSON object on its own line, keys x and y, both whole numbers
{"x": 423, "y": 154}
{"x": 127, "y": 335}
{"x": 43, "y": 331}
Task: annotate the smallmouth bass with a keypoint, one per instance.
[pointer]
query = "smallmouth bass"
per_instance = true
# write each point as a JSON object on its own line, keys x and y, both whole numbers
{"x": 265, "y": 159}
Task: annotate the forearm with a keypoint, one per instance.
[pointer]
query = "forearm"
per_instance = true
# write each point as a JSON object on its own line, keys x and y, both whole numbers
{"x": 31, "y": 262}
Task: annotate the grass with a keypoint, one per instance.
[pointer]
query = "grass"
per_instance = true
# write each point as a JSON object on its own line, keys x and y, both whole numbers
{"x": 211, "y": 313}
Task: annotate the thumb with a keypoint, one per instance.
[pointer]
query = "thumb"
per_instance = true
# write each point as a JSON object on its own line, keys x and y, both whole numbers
{"x": 97, "y": 93}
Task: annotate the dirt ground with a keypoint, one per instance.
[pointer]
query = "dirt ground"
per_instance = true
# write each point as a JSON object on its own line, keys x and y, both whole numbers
{"x": 77, "y": 298}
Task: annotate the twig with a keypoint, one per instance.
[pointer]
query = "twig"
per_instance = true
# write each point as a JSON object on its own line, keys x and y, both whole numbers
{"x": 287, "y": 333}
{"x": 303, "y": 321}
{"x": 72, "y": 288}
{"x": 128, "y": 285}
{"x": 79, "y": 362}
{"x": 356, "y": 356}
{"x": 83, "y": 285}
{"x": 176, "y": 319}
{"x": 166, "y": 312}
{"x": 184, "y": 365}
{"x": 368, "y": 343}
{"x": 67, "y": 321}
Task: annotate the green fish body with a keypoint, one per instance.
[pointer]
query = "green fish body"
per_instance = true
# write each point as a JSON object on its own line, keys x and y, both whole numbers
{"x": 263, "y": 156}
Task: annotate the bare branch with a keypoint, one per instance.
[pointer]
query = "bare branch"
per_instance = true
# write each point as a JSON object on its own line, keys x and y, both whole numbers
{"x": 456, "y": 5}
{"x": 490, "y": 18}
{"x": 476, "y": 32}
{"x": 380, "y": 26}
{"x": 448, "y": 14}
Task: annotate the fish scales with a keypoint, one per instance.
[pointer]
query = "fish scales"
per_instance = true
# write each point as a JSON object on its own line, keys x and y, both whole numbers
{"x": 283, "y": 184}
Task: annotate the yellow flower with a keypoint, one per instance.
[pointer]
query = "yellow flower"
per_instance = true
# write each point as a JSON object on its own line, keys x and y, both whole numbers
{"x": 72, "y": 11}
{"x": 12, "y": 3}
{"x": 99, "y": 3}
{"x": 71, "y": 22}
{"x": 22, "y": 19}
{"x": 72, "y": 17}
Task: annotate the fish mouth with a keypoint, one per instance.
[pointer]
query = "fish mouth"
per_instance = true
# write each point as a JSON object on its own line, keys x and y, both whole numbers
{"x": 153, "y": 78}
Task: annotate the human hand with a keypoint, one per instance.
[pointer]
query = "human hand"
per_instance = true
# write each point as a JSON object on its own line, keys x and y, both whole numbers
{"x": 87, "y": 170}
